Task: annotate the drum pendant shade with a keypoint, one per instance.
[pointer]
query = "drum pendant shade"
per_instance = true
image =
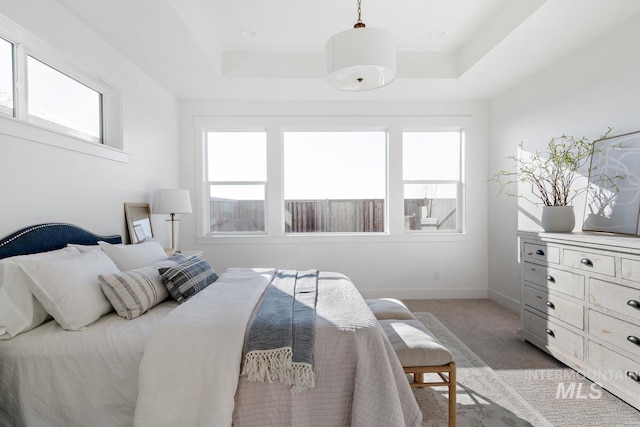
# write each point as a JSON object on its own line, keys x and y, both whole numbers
{"x": 360, "y": 59}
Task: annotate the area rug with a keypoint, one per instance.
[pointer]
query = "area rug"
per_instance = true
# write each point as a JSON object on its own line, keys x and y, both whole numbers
{"x": 483, "y": 398}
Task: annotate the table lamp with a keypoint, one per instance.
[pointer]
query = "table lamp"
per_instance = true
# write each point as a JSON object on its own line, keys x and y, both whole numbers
{"x": 172, "y": 202}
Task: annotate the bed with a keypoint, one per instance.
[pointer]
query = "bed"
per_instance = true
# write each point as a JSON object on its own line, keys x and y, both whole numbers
{"x": 180, "y": 363}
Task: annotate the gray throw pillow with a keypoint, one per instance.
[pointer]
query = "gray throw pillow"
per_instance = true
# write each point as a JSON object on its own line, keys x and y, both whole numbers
{"x": 133, "y": 292}
{"x": 188, "y": 278}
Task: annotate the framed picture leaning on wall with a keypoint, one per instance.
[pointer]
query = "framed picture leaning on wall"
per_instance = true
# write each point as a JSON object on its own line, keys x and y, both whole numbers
{"x": 616, "y": 157}
{"x": 138, "y": 217}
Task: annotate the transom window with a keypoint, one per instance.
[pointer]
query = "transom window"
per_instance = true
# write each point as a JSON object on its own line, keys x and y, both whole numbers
{"x": 432, "y": 184}
{"x": 56, "y": 100}
{"x": 52, "y": 99}
{"x": 6, "y": 77}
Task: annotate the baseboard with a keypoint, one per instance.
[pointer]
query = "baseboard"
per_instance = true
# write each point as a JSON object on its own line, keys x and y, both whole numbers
{"x": 438, "y": 293}
{"x": 505, "y": 301}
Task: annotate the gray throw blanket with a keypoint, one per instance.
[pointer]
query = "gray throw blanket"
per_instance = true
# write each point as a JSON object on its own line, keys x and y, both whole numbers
{"x": 279, "y": 345}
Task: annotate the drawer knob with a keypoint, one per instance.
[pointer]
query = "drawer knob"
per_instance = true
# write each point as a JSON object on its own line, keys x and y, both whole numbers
{"x": 551, "y": 279}
{"x": 633, "y": 303}
{"x": 540, "y": 252}
{"x": 587, "y": 262}
{"x": 550, "y": 333}
{"x": 550, "y": 305}
{"x": 635, "y": 377}
{"x": 633, "y": 340}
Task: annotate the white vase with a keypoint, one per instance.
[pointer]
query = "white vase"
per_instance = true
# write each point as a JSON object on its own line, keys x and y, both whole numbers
{"x": 558, "y": 219}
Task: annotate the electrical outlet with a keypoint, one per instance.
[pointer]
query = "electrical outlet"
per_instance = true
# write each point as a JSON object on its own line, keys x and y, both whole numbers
{"x": 436, "y": 275}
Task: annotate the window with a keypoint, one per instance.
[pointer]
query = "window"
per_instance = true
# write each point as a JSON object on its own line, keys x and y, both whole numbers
{"x": 58, "y": 101}
{"x": 304, "y": 178}
{"x": 432, "y": 180}
{"x": 334, "y": 181}
{"x": 55, "y": 100}
{"x": 237, "y": 178}
{"x": 6, "y": 77}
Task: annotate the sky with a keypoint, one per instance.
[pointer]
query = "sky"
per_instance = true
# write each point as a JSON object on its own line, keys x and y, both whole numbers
{"x": 333, "y": 165}
{"x": 52, "y": 95}
{"x": 6, "y": 88}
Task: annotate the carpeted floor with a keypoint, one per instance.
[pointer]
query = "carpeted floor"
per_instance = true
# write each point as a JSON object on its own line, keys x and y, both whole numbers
{"x": 489, "y": 330}
{"x": 483, "y": 399}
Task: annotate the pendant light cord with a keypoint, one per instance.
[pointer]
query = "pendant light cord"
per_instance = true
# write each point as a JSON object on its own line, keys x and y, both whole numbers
{"x": 359, "y": 23}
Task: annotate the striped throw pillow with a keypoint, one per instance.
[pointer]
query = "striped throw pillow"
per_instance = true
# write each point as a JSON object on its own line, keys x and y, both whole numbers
{"x": 188, "y": 278}
{"x": 133, "y": 292}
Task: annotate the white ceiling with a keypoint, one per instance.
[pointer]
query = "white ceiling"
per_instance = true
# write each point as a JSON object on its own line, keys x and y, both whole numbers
{"x": 446, "y": 49}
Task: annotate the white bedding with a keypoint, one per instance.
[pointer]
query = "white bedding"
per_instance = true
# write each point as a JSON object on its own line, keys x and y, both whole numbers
{"x": 194, "y": 380}
{"x": 44, "y": 372}
{"x": 52, "y": 377}
{"x": 189, "y": 372}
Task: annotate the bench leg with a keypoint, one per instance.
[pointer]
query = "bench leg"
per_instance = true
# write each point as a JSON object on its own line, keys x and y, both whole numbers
{"x": 452, "y": 394}
{"x": 447, "y": 374}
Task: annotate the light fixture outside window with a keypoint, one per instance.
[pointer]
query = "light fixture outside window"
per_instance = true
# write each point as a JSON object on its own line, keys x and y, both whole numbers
{"x": 361, "y": 58}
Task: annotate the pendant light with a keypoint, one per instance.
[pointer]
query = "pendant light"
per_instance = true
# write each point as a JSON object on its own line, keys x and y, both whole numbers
{"x": 360, "y": 59}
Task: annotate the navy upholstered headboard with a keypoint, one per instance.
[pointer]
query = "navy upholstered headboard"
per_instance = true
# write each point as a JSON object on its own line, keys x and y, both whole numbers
{"x": 48, "y": 237}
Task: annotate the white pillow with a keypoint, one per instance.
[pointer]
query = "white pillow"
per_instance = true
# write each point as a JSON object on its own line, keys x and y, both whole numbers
{"x": 20, "y": 311}
{"x": 69, "y": 289}
{"x": 130, "y": 257}
{"x": 84, "y": 248}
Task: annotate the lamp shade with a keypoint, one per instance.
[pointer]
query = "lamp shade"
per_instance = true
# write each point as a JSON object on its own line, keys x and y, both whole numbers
{"x": 360, "y": 59}
{"x": 171, "y": 201}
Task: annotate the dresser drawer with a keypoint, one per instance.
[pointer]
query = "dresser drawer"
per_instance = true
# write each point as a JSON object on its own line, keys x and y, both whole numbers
{"x": 596, "y": 263}
{"x": 630, "y": 269}
{"x": 555, "y": 306}
{"x": 536, "y": 251}
{"x": 621, "y": 299}
{"x": 616, "y": 367}
{"x": 554, "y": 335}
{"x": 554, "y": 279}
{"x": 618, "y": 332}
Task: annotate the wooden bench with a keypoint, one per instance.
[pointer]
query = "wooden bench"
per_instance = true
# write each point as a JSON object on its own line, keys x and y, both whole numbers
{"x": 418, "y": 349}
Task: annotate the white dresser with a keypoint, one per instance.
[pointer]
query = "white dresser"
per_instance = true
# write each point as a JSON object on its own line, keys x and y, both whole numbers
{"x": 581, "y": 303}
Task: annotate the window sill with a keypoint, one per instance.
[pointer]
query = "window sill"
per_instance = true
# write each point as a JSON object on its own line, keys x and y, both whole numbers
{"x": 28, "y": 131}
{"x": 297, "y": 239}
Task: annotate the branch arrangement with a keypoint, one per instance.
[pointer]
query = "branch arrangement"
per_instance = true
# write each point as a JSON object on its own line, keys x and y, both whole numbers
{"x": 551, "y": 177}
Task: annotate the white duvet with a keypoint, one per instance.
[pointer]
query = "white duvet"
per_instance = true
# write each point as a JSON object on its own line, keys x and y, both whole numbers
{"x": 189, "y": 375}
{"x": 191, "y": 364}
{"x": 52, "y": 377}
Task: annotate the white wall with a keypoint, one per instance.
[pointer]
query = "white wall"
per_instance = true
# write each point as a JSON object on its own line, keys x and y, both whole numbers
{"x": 42, "y": 183}
{"x": 595, "y": 87}
{"x": 377, "y": 265}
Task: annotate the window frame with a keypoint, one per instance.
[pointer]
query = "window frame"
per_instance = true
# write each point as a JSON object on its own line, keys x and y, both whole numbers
{"x": 13, "y": 79}
{"x": 58, "y": 127}
{"x": 23, "y": 126}
{"x": 210, "y": 183}
{"x": 385, "y": 223}
{"x": 458, "y": 183}
{"x": 276, "y": 125}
